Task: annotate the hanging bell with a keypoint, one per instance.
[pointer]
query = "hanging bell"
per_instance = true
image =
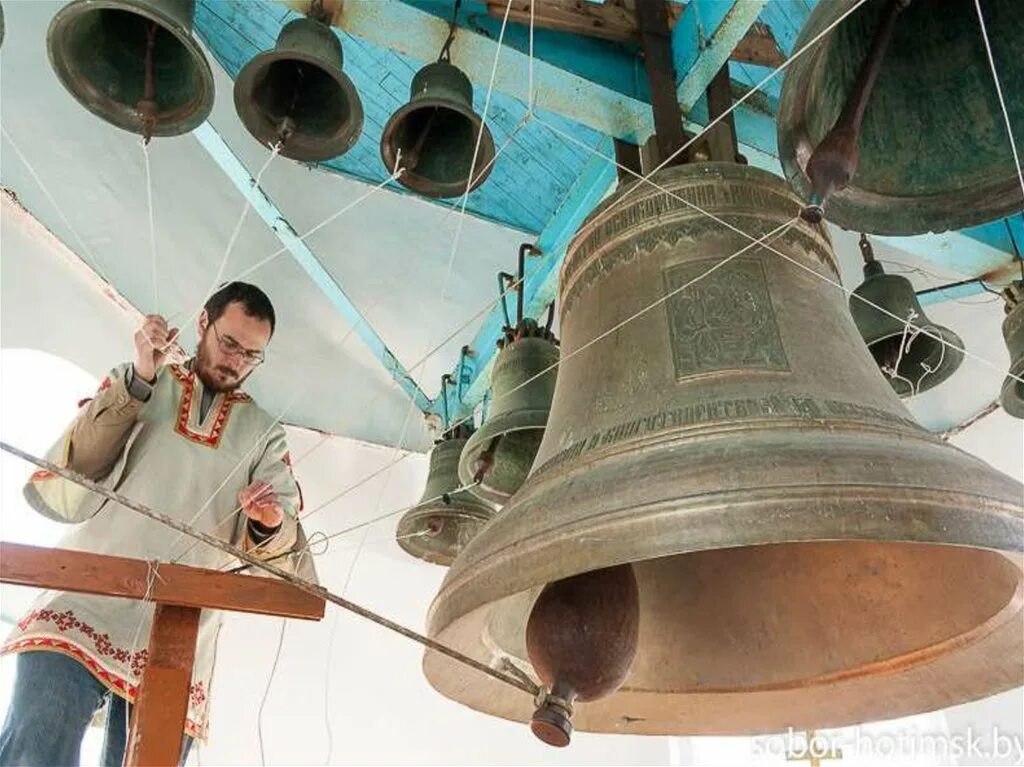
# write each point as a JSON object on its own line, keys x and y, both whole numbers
{"x": 298, "y": 94}
{"x": 914, "y": 353}
{"x": 447, "y": 517}
{"x": 933, "y": 149}
{"x": 499, "y": 455}
{"x": 1012, "y": 396}
{"x": 437, "y": 133}
{"x": 133, "y": 63}
{"x": 805, "y": 554}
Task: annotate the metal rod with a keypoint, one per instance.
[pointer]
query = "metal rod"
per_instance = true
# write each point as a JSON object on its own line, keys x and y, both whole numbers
{"x": 520, "y": 272}
{"x": 311, "y": 588}
{"x": 505, "y": 280}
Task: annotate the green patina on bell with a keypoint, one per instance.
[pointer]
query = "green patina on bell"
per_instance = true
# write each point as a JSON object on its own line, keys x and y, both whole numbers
{"x": 934, "y": 151}
{"x": 1012, "y": 396}
{"x": 297, "y": 93}
{"x": 912, "y": 361}
{"x": 437, "y": 134}
{"x": 98, "y": 48}
{"x": 501, "y": 452}
{"x": 446, "y": 518}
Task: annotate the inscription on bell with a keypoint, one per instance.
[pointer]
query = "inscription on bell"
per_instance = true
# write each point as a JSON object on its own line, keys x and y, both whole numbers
{"x": 724, "y": 321}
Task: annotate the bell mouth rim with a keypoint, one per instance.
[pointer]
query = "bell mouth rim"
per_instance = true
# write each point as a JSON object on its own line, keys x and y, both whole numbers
{"x": 682, "y": 710}
{"x": 70, "y": 13}
{"x": 948, "y": 526}
{"x": 410, "y": 537}
{"x": 333, "y": 147}
{"x": 951, "y": 361}
{"x": 862, "y": 210}
{"x": 1011, "y": 395}
{"x": 419, "y": 184}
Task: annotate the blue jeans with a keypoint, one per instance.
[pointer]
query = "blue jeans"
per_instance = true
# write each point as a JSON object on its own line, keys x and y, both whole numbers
{"x": 54, "y": 700}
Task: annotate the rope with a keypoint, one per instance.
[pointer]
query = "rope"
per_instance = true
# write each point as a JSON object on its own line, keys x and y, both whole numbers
{"x": 152, "y": 230}
{"x": 310, "y": 588}
{"x": 93, "y": 261}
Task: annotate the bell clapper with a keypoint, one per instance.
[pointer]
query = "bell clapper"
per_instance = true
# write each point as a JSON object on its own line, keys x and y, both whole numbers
{"x": 834, "y": 161}
{"x": 552, "y": 720}
{"x": 147, "y": 106}
{"x": 412, "y": 159}
{"x": 486, "y": 461}
{"x": 581, "y": 638}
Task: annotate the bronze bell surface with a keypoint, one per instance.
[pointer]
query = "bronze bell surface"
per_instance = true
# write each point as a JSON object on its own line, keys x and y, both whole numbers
{"x": 133, "y": 63}
{"x": 436, "y": 133}
{"x": 500, "y": 453}
{"x": 805, "y": 554}
{"x": 298, "y": 94}
{"x": 913, "y": 353}
{"x": 933, "y": 149}
{"x": 446, "y": 518}
{"x": 1012, "y": 395}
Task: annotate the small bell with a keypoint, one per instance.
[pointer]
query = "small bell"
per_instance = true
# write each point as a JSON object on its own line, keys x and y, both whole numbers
{"x": 437, "y": 133}
{"x": 499, "y": 455}
{"x": 447, "y": 517}
{"x": 913, "y": 352}
{"x": 133, "y": 63}
{"x": 298, "y": 94}
{"x": 1012, "y": 396}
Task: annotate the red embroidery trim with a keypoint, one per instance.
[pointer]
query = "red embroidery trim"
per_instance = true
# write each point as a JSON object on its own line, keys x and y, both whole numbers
{"x": 187, "y": 380}
{"x": 65, "y": 621}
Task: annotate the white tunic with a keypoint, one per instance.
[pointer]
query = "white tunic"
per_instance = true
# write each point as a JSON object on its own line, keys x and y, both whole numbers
{"x": 189, "y": 469}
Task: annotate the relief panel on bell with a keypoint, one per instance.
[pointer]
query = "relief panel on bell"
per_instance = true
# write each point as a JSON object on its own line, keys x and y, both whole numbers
{"x": 724, "y": 321}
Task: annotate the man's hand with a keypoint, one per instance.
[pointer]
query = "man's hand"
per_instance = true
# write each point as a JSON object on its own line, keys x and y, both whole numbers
{"x": 152, "y": 341}
{"x": 259, "y": 502}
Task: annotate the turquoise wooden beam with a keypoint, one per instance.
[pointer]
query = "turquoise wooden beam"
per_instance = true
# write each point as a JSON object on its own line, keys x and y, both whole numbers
{"x": 541, "y": 285}
{"x": 704, "y": 38}
{"x": 272, "y": 216}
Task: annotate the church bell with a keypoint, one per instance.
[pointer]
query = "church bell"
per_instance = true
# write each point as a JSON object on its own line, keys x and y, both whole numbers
{"x": 912, "y": 352}
{"x": 933, "y": 149}
{"x": 436, "y": 133}
{"x": 805, "y": 555}
{"x": 500, "y": 453}
{"x": 1012, "y": 396}
{"x": 298, "y": 94}
{"x": 446, "y": 518}
{"x": 133, "y": 63}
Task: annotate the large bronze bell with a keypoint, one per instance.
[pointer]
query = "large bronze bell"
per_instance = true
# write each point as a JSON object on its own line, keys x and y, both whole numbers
{"x": 1012, "y": 395}
{"x": 913, "y": 352}
{"x": 298, "y": 94}
{"x": 500, "y": 453}
{"x": 933, "y": 149}
{"x": 805, "y": 554}
{"x": 446, "y": 518}
{"x": 133, "y": 63}
{"x": 436, "y": 133}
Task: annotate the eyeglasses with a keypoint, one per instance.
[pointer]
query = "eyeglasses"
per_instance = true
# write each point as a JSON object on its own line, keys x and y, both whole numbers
{"x": 232, "y": 348}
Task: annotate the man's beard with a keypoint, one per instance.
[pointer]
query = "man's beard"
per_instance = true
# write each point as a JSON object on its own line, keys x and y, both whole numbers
{"x": 206, "y": 371}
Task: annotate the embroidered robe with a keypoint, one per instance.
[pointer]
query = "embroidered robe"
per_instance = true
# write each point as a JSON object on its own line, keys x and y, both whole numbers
{"x": 187, "y": 467}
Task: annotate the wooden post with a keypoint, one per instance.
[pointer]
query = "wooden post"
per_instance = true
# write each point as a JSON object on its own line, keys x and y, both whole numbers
{"x": 161, "y": 705}
{"x": 180, "y": 594}
{"x": 656, "y": 40}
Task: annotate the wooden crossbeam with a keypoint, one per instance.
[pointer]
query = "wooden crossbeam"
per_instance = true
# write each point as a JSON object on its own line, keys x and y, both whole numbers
{"x": 180, "y": 593}
{"x": 611, "y": 20}
{"x": 87, "y": 573}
